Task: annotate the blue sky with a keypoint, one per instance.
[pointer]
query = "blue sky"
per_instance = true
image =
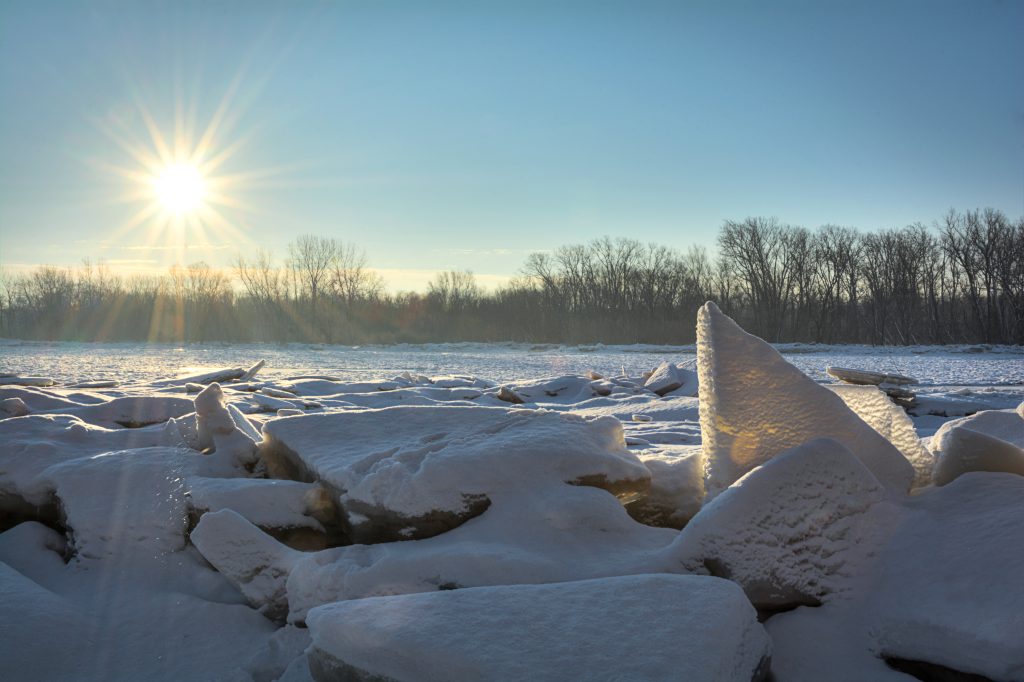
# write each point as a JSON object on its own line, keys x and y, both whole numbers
{"x": 442, "y": 135}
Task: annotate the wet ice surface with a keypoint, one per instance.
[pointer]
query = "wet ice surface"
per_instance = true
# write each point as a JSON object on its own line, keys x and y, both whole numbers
{"x": 130, "y": 362}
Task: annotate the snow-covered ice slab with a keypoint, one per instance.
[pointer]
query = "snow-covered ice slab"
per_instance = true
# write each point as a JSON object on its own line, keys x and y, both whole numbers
{"x": 118, "y": 503}
{"x": 671, "y": 378}
{"x": 754, "y": 405}
{"x": 38, "y": 399}
{"x": 650, "y": 627}
{"x": 131, "y": 411}
{"x": 270, "y": 504}
{"x": 677, "y": 486}
{"x": 552, "y": 533}
{"x": 944, "y": 588}
{"x": 255, "y": 562}
{"x": 867, "y": 378}
{"x": 786, "y": 532}
{"x": 31, "y": 444}
{"x": 413, "y": 472}
{"x": 992, "y": 440}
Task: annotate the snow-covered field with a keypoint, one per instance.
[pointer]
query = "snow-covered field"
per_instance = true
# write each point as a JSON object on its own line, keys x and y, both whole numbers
{"x": 511, "y": 512}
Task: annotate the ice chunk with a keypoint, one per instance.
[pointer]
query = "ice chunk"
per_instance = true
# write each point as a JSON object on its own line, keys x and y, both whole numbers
{"x": 868, "y": 378}
{"x": 248, "y": 374}
{"x": 267, "y": 503}
{"x": 890, "y": 420}
{"x": 961, "y": 449}
{"x": 547, "y": 533}
{"x": 131, "y": 411}
{"x": 992, "y": 440}
{"x": 431, "y": 468}
{"x": 754, "y": 405}
{"x": 670, "y": 378}
{"x": 784, "y": 532}
{"x": 942, "y": 589}
{"x": 218, "y": 424}
{"x": 216, "y": 376}
{"x": 1006, "y": 425}
{"x": 31, "y": 444}
{"x": 677, "y": 486}
{"x": 563, "y": 390}
{"x": 650, "y": 627}
{"x": 132, "y": 501}
{"x": 13, "y": 407}
{"x": 96, "y": 383}
{"x": 247, "y": 556}
{"x": 27, "y": 381}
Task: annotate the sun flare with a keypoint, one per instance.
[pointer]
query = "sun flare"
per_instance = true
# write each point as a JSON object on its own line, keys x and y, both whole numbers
{"x": 180, "y": 188}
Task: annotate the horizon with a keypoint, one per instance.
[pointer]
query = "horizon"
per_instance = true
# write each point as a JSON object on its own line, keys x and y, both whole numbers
{"x": 460, "y": 137}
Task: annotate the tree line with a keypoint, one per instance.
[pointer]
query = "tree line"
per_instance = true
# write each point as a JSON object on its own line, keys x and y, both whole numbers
{"x": 960, "y": 280}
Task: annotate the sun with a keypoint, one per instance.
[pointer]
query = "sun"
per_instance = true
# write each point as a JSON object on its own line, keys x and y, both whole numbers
{"x": 188, "y": 183}
{"x": 180, "y": 188}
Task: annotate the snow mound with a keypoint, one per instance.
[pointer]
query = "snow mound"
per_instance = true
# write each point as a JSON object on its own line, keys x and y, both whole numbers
{"x": 783, "y": 532}
{"x": 29, "y": 610}
{"x": 651, "y": 627}
{"x": 754, "y": 405}
{"x": 37, "y": 399}
{"x": 409, "y": 472}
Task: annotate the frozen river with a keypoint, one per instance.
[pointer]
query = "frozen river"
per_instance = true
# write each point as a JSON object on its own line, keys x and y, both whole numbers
{"x": 130, "y": 362}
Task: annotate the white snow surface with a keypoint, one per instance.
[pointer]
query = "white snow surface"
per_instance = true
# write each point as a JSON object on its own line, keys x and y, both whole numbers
{"x": 114, "y": 586}
{"x": 650, "y": 627}
{"x": 992, "y": 440}
{"x": 782, "y": 531}
{"x": 944, "y": 586}
{"x": 416, "y": 460}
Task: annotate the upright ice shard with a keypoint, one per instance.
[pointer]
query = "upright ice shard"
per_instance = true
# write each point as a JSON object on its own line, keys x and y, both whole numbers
{"x": 754, "y": 405}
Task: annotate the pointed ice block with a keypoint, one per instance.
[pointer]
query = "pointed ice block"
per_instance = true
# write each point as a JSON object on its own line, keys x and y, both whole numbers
{"x": 754, "y": 405}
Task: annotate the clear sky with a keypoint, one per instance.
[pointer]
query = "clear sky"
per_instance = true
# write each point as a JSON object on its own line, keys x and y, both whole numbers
{"x": 442, "y": 135}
